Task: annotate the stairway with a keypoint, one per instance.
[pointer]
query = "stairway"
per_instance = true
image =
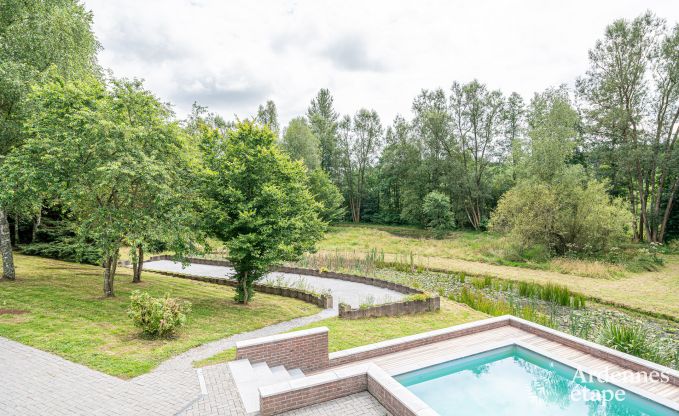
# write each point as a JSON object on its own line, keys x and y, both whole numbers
{"x": 250, "y": 377}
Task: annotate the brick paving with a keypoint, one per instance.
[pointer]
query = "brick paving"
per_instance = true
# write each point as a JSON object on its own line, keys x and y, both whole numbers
{"x": 35, "y": 382}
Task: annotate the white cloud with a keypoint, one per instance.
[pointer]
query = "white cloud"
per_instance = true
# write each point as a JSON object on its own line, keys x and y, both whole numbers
{"x": 233, "y": 55}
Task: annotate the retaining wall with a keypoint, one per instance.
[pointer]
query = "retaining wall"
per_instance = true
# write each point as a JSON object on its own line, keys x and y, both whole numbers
{"x": 325, "y": 301}
{"x": 406, "y": 307}
{"x": 306, "y": 350}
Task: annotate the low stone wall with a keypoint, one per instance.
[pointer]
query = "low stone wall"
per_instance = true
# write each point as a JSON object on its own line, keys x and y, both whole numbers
{"x": 306, "y": 350}
{"x": 405, "y": 307}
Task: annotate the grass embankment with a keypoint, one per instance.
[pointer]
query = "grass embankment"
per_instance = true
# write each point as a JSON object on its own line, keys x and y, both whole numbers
{"x": 346, "y": 333}
{"x": 655, "y": 292}
{"x": 66, "y": 315}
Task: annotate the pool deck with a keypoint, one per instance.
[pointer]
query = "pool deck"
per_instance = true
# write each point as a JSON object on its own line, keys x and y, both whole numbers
{"x": 372, "y": 367}
{"x": 414, "y": 358}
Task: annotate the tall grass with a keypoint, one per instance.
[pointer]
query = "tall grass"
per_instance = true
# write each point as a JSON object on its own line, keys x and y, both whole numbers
{"x": 550, "y": 292}
{"x": 495, "y": 307}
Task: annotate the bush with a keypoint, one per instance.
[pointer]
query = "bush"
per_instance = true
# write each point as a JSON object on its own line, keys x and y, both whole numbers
{"x": 157, "y": 316}
{"x": 573, "y": 214}
{"x": 437, "y": 214}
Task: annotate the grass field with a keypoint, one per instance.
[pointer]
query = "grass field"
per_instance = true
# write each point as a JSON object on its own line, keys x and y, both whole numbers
{"x": 346, "y": 333}
{"x": 65, "y": 314}
{"x": 401, "y": 243}
{"x": 656, "y": 292}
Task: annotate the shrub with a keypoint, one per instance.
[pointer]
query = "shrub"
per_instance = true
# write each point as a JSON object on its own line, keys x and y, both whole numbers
{"x": 628, "y": 339}
{"x": 574, "y": 214}
{"x": 418, "y": 297}
{"x": 157, "y": 316}
{"x": 438, "y": 216}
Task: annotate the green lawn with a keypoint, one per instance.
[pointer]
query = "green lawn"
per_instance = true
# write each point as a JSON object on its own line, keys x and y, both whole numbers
{"x": 346, "y": 333}
{"x": 66, "y": 315}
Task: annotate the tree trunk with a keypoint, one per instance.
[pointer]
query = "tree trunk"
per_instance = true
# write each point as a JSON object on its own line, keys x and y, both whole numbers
{"x": 36, "y": 224}
{"x": 16, "y": 230}
{"x": 110, "y": 265}
{"x": 8, "y": 271}
{"x": 138, "y": 265}
{"x": 245, "y": 288}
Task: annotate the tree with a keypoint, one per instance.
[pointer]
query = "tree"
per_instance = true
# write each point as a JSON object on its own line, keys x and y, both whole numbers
{"x": 268, "y": 116}
{"x": 572, "y": 214}
{"x": 261, "y": 206}
{"x": 110, "y": 156}
{"x": 359, "y": 142}
{"x": 554, "y": 133}
{"x": 323, "y": 123}
{"x": 632, "y": 92}
{"x": 477, "y": 128}
{"x": 513, "y": 115}
{"x": 34, "y": 37}
{"x": 327, "y": 194}
{"x": 301, "y": 144}
{"x": 437, "y": 213}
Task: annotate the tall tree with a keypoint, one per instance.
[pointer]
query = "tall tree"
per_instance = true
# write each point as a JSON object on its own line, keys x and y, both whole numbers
{"x": 261, "y": 206}
{"x": 301, "y": 144}
{"x": 513, "y": 115}
{"x": 323, "y": 122}
{"x": 359, "y": 142}
{"x": 632, "y": 92}
{"x": 35, "y": 36}
{"x": 477, "y": 128}
{"x": 267, "y": 114}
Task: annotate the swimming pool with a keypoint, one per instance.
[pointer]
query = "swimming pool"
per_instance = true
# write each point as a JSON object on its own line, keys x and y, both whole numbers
{"x": 513, "y": 380}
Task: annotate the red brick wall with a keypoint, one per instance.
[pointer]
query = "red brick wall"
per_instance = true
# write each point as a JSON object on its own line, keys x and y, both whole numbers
{"x": 388, "y": 400}
{"x": 307, "y": 352}
{"x": 295, "y": 399}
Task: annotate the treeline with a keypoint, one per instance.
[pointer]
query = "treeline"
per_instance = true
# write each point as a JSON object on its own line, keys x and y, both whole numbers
{"x": 472, "y": 144}
{"x": 91, "y": 164}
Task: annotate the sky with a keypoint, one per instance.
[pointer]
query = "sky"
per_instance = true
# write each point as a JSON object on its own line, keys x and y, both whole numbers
{"x": 233, "y": 55}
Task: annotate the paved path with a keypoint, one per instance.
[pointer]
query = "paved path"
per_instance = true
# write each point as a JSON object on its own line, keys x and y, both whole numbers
{"x": 342, "y": 291}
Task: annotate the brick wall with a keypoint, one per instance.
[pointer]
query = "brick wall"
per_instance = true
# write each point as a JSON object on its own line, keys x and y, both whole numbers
{"x": 306, "y": 350}
{"x": 406, "y": 307}
{"x": 318, "y": 393}
{"x": 388, "y": 400}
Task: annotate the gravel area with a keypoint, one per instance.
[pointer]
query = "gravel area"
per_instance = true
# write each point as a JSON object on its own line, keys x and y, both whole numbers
{"x": 342, "y": 291}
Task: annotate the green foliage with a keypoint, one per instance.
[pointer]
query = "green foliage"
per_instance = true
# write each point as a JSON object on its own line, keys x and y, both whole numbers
{"x": 327, "y": 194}
{"x": 628, "y": 339}
{"x": 300, "y": 143}
{"x": 114, "y": 160}
{"x": 418, "y": 297}
{"x": 260, "y": 205}
{"x": 159, "y": 317}
{"x": 496, "y": 307}
{"x": 437, "y": 214}
{"x": 572, "y": 215}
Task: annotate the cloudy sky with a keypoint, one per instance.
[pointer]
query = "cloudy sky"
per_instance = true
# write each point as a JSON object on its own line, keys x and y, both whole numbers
{"x": 233, "y": 55}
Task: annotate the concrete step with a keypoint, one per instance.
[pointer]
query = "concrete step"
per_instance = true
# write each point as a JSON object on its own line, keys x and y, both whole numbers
{"x": 250, "y": 377}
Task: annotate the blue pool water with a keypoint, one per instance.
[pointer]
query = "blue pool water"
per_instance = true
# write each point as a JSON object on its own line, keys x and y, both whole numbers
{"x": 514, "y": 381}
